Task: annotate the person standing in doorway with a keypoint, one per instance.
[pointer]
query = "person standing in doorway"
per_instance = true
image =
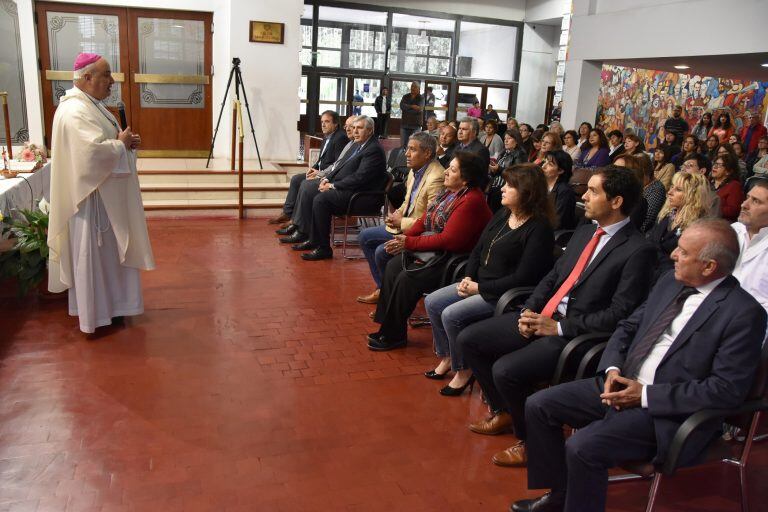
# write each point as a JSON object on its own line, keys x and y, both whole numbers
{"x": 412, "y": 108}
{"x": 383, "y": 106}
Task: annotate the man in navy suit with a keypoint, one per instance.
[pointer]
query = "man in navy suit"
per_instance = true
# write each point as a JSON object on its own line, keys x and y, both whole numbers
{"x": 364, "y": 167}
{"x": 694, "y": 344}
{"x": 333, "y": 143}
{"x": 602, "y": 277}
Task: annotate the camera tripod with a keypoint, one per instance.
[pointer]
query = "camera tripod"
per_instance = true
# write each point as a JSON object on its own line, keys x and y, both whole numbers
{"x": 235, "y": 72}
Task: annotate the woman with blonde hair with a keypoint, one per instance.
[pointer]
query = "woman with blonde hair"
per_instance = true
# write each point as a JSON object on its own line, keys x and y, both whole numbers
{"x": 688, "y": 199}
{"x": 550, "y": 141}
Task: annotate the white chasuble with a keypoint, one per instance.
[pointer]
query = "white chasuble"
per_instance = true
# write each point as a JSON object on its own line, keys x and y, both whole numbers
{"x": 97, "y": 231}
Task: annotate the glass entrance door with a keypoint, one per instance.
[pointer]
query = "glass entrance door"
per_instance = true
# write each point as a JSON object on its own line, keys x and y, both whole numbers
{"x": 333, "y": 95}
{"x": 442, "y": 93}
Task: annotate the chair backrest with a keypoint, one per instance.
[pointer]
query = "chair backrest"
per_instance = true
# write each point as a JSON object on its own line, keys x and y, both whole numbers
{"x": 397, "y": 165}
{"x": 580, "y": 178}
{"x": 756, "y": 392}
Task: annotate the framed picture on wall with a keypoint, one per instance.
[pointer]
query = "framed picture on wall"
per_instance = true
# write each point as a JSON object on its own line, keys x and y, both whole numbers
{"x": 267, "y": 32}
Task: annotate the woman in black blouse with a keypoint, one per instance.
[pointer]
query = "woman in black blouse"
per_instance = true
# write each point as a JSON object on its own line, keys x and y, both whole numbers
{"x": 515, "y": 249}
{"x": 558, "y": 167}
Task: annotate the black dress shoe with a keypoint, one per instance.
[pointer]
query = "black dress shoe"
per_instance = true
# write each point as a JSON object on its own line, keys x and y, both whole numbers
{"x": 550, "y": 502}
{"x": 450, "y": 391}
{"x": 303, "y": 246}
{"x": 373, "y": 337}
{"x": 287, "y": 230}
{"x": 432, "y": 374}
{"x": 382, "y": 344}
{"x": 320, "y": 253}
{"x": 296, "y": 238}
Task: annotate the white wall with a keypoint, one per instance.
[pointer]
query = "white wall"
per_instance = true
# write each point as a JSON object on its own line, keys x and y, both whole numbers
{"x": 488, "y": 64}
{"x": 271, "y": 72}
{"x": 537, "y": 10}
{"x": 537, "y": 71}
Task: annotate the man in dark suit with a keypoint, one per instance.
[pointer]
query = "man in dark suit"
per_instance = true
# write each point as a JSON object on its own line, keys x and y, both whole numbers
{"x": 363, "y": 168}
{"x": 334, "y": 141}
{"x": 694, "y": 344}
{"x": 467, "y": 136}
{"x": 599, "y": 281}
{"x": 447, "y": 145}
{"x": 383, "y": 106}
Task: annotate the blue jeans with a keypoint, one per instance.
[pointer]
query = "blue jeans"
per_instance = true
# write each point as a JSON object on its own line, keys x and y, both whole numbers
{"x": 372, "y": 242}
{"x": 449, "y": 314}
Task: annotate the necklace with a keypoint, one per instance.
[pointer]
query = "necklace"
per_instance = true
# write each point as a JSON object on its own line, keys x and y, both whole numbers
{"x": 499, "y": 235}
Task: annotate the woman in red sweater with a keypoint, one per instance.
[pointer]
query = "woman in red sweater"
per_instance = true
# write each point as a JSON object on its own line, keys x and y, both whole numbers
{"x": 452, "y": 223}
{"x": 725, "y": 179}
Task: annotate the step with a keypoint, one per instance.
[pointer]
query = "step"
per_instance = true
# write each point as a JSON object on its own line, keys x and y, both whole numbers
{"x": 191, "y": 204}
{"x": 209, "y": 178}
{"x": 212, "y": 193}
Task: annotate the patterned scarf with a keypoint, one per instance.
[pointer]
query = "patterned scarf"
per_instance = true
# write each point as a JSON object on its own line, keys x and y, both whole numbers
{"x": 440, "y": 210}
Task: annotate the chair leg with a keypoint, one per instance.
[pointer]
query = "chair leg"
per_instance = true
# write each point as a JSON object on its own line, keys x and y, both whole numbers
{"x": 654, "y": 491}
{"x": 344, "y": 237}
{"x": 745, "y": 459}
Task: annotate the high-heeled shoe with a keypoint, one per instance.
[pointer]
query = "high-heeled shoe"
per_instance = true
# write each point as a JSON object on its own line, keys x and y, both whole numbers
{"x": 432, "y": 374}
{"x": 449, "y": 391}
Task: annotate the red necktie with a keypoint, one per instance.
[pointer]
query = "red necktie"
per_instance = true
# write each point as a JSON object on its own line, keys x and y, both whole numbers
{"x": 568, "y": 284}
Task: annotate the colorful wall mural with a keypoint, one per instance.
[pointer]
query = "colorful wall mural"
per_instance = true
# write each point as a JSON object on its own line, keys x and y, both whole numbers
{"x": 643, "y": 99}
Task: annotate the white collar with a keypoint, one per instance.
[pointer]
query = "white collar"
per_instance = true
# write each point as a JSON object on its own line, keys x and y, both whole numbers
{"x": 614, "y": 228}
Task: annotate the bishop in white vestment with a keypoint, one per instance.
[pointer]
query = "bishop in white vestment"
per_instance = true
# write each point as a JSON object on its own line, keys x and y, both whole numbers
{"x": 97, "y": 232}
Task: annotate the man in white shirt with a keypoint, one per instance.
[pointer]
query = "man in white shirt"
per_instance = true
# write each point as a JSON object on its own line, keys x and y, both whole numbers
{"x": 752, "y": 230}
{"x": 694, "y": 344}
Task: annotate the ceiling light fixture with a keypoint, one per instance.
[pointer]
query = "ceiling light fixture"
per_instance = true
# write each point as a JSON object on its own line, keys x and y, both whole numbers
{"x": 682, "y": 66}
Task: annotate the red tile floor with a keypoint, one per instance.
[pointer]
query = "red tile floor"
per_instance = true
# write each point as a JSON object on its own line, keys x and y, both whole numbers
{"x": 247, "y": 385}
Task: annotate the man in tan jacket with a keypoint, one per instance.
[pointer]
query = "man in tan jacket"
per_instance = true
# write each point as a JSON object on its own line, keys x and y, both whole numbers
{"x": 424, "y": 182}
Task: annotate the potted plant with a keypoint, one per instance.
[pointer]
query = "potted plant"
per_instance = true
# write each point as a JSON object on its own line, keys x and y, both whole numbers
{"x": 28, "y": 258}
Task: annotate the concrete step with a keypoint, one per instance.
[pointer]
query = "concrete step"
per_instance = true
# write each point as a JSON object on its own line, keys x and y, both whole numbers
{"x": 202, "y": 194}
{"x": 209, "y": 178}
{"x": 211, "y": 204}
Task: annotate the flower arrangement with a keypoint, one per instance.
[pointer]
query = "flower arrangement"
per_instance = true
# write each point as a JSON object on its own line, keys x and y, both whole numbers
{"x": 33, "y": 153}
{"x": 27, "y": 261}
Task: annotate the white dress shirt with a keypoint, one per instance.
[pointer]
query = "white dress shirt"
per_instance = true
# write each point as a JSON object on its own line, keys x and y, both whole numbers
{"x": 609, "y": 232}
{"x": 752, "y": 268}
{"x": 647, "y": 371}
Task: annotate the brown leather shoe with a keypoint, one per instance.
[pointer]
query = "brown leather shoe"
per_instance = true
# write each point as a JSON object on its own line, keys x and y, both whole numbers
{"x": 280, "y": 219}
{"x": 512, "y": 457}
{"x": 492, "y": 426}
{"x": 373, "y": 298}
{"x": 372, "y": 315}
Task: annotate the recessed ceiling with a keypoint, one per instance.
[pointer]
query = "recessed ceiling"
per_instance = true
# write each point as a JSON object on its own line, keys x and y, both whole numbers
{"x": 743, "y": 66}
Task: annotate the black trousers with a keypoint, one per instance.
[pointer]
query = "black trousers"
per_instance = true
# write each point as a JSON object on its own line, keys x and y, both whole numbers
{"x": 400, "y": 292}
{"x": 293, "y": 193}
{"x": 508, "y": 366}
{"x": 381, "y": 122}
{"x": 324, "y": 206}
{"x": 302, "y": 212}
{"x": 605, "y": 439}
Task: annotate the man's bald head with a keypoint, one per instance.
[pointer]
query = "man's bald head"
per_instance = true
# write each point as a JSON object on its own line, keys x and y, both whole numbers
{"x": 707, "y": 250}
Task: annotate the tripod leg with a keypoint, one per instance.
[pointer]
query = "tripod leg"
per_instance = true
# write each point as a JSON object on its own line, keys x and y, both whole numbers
{"x": 221, "y": 111}
{"x": 250, "y": 119}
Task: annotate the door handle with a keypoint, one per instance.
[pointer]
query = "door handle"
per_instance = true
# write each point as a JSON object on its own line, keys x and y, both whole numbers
{"x": 66, "y": 76}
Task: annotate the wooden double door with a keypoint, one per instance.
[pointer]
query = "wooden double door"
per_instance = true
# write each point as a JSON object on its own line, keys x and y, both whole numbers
{"x": 161, "y": 62}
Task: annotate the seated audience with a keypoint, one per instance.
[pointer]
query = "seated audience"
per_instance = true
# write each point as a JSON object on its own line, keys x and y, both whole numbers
{"x": 600, "y": 279}
{"x": 550, "y": 141}
{"x": 615, "y": 144}
{"x": 512, "y": 124}
{"x": 757, "y": 156}
{"x": 695, "y": 344}
{"x": 447, "y": 145}
{"x": 725, "y": 180}
{"x": 526, "y": 131}
{"x": 584, "y": 129}
{"x": 490, "y": 114}
{"x": 676, "y": 126}
{"x": 363, "y": 168}
{"x": 570, "y": 144}
{"x": 696, "y": 164}
{"x": 536, "y": 143}
{"x": 492, "y": 140}
{"x": 595, "y": 152}
{"x": 671, "y": 140}
{"x": 334, "y": 140}
{"x": 690, "y": 147}
{"x": 752, "y": 231}
{"x": 741, "y": 158}
{"x": 515, "y": 249}
{"x": 557, "y": 128}
{"x": 640, "y": 165}
{"x": 513, "y": 154}
{"x": 632, "y": 144}
{"x": 424, "y": 183}
{"x": 432, "y": 127}
{"x": 452, "y": 224}
{"x": 475, "y": 110}
{"x": 558, "y": 169}
{"x": 469, "y": 128}
{"x": 752, "y": 131}
{"x": 663, "y": 168}
{"x": 688, "y": 200}
{"x": 702, "y": 128}
{"x": 654, "y": 193}
{"x": 723, "y": 127}
{"x": 711, "y": 146}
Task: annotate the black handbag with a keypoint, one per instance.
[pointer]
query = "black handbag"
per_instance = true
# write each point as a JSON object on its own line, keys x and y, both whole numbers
{"x": 415, "y": 261}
